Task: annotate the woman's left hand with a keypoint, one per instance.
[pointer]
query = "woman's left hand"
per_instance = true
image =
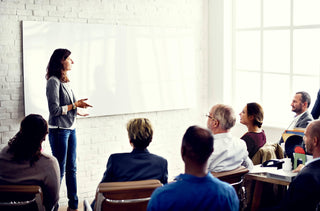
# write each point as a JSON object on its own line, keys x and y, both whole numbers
{"x": 82, "y": 104}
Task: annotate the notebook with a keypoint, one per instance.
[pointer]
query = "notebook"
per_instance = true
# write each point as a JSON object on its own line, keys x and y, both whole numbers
{"x": 287, "y": 176}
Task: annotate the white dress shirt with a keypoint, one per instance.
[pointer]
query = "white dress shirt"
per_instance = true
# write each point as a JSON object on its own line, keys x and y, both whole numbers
{"x": 228, "y": 153}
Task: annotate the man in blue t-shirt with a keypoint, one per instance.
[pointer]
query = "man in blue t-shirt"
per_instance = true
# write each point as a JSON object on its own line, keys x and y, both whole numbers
{"x": 196, "y": 189}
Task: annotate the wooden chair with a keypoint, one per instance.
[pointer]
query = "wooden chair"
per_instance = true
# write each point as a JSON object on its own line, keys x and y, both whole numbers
{"x": 121, "y": 196}
{"x": 235, "y": 178}
{"x": 21, "y": 197}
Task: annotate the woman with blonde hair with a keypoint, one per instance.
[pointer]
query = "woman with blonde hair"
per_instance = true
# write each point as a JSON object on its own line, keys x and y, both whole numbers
{"x": 139, "y": 164}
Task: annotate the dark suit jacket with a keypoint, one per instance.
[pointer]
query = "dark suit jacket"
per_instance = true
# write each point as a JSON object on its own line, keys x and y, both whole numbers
{"x": 302, "y": 122}
{"x": 137, "y": 165}
{"x": 304, "y": 190}
{"x": 316, "y": 108}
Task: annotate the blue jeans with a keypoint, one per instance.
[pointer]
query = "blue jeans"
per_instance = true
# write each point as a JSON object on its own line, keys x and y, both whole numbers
{"x": 63, "y": 144}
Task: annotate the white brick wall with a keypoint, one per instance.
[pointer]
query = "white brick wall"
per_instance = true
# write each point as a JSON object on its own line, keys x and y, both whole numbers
{"x": 99, "y": 137}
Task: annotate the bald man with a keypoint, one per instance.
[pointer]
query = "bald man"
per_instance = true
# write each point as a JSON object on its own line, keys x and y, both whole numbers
{"x": 304, "y": 190}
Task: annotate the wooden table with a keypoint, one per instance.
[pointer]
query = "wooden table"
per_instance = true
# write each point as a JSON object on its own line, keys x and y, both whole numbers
{"x": 259, "y": 179}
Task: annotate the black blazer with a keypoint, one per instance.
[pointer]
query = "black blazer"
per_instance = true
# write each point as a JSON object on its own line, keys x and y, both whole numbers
{"x": 304, "y": 190}
{"x": 137, "y": 165}
{"x": 316, "y": 108}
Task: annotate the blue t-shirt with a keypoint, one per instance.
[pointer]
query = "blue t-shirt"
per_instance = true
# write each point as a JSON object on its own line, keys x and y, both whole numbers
{"x": 195, "y": 193}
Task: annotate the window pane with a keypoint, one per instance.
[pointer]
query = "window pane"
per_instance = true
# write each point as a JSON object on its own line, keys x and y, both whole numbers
{"x": 276, "y": 13}
{"x": 247, "y": 13}
{"x": 306, "y": 12}
{"x": 308, "y": 84}
{"x": 247, "y": 89}
{"x": 276, "y": 100}
{"x": 248, "y": 50}
{"x": 276, "y": 51}
{"x": 289, "y": 56}
{"x": 306, "y": 51}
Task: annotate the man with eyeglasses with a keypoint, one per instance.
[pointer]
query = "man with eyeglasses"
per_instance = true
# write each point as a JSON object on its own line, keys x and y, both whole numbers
{"x": 229, "y": 152}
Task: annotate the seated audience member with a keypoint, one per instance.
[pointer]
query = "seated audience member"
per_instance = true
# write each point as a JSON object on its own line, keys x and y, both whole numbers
{"x": 139, "y": 164}
{"x": 304, "y": 190}
{"x": 252, "y": 117}
{"x": 300, "y": 104}
{"x": 196, "y": 189}
{"x": 229, "y": 152}
{"x": 316, "y": 108}
{"x": 23, "y": 163}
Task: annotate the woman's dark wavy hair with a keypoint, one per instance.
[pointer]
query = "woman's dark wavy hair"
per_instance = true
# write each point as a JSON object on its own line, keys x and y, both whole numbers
{"x": 26, "y": 144}
{"x": 55, "y": 66}
{"x": 255, "y": 110}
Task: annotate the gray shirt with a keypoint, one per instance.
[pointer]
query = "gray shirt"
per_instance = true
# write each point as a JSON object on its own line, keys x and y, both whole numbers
{"x": 44, "y": 172}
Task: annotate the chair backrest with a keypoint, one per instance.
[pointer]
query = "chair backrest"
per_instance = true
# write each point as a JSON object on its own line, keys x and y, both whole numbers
{"x": 267, "y": 152}
{"x": 131, "y": 195}
{"x": 233, "y": 177}
{"x": 21, "y": 197}
{"x": 294, "y": 132}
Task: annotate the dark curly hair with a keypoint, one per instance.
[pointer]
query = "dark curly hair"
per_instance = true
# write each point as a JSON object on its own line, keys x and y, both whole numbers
{"x": 26, "y": 144}
{"x": 55, "y": 66}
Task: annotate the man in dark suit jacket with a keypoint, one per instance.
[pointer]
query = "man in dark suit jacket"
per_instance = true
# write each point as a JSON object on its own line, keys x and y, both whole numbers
{"x": 300, "y": 104}
{"x": 304, "y": 190}
{"x": 140, "y": 164}
{"x": 316, "y": 107}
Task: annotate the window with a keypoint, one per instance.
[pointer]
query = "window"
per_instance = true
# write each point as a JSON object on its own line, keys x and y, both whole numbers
{"x": 275, "y": 53}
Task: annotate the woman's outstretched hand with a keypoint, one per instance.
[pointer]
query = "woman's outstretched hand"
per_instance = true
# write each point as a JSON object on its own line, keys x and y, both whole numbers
{"x": 82, "y": 104}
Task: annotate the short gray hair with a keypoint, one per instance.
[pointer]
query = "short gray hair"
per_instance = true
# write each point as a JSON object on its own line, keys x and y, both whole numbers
{"x": 225, "y": 115}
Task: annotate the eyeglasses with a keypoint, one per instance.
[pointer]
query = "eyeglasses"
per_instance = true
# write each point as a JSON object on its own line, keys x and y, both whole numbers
{"x": 208, "y": 115}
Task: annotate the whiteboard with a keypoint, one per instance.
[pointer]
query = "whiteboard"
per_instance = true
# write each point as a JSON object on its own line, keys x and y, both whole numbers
{"x": 121, "y": 69}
